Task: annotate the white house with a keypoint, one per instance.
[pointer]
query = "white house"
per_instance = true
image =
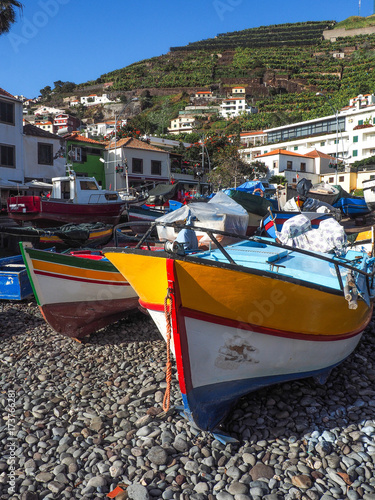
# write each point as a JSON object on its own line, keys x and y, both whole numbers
{"x": 45, "y": 110}
{"x": 11, "y": 138}
{"x": 43, "y": 154}
{"x": 185, "y": 123}
{"x": 295, "y": 166}
{"x": 239, "y": 92}
{"x": 234, "y": 106}
{"x": 104, "y": 129}
{"x": 93, "y": 99}
{"x": 45, "y": 125}
{"x": 206, "y": 94}
{"x": 144, "y": 163}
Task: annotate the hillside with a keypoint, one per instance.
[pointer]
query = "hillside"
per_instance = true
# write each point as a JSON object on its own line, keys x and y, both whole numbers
{"x": 281, "y": 66}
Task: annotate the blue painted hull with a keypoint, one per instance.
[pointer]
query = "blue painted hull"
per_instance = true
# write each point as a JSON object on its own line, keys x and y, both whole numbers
{"x": 14, "y": 281}
{"x": 207, "y": 405}
{"x": 352, "y": 207}
{"x": 281, "y": 217}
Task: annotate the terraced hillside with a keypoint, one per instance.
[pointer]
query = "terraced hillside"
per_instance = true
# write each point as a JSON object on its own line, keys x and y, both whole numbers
{"x": 282, "y": 67}
{"x": 277, "y": 35}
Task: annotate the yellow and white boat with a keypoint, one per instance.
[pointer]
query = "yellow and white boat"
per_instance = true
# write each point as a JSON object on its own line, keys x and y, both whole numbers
{"x": 249, "y": 315}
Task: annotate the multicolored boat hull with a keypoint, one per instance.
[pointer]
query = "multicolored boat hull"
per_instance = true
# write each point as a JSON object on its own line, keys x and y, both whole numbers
{"x": 77, "y": 294}
{"x": 235, "y": 328}
{"x": 274, "y": 223}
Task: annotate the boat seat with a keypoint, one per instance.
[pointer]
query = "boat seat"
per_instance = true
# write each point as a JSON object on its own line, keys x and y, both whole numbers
{"x": 277, "y": 256}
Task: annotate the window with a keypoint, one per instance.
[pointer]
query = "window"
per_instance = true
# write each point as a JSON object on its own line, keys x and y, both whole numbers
{"x": 7, "y": 112}
{"x": 331, "y": 180}
{"x": 137, "y": 166}
{"x": 341, "y": 178}
{"x": 88, "y": 186}
{"x": 75, "y": 154}
{"x": 289, "y": 165}
{"x": 155, "y": 167}
{"x": 355, "y": 152}
{"x": 295, "y": 148}
{"x": 275, "y": 165}
{"x": 45, "y": 154}
{"x": 355, "y": 138}
{"x": 303, "y": 167}
{"x": 360, "y": 122}
{"x": 323, "y": 143}
{"x": 7, "y": 156}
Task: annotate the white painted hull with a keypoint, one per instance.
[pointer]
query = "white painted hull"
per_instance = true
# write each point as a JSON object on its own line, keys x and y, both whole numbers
{"x": 215, "y": 360}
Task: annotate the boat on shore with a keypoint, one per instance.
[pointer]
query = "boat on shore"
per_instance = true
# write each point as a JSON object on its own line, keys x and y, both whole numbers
{"x": 14, "y": 282}
{"x": 66, "y": 236}
{"x": 369, "y": 193}
{"x": 74, "y": 199}
{"x": 249, "y": 315}
{"x": 78, "y": 292}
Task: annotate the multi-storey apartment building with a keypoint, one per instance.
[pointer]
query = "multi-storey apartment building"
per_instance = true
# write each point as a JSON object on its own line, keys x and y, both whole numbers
{"x": 349, "y": 135}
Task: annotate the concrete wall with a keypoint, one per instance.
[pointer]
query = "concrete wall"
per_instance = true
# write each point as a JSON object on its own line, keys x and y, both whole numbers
{"x": 33, "y": 169}
{"x": 338, "y": 33}
{"x": 12, "y": 135}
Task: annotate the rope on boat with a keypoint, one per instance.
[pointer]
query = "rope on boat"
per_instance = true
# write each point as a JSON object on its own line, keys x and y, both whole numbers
{"x": 168, "y": 374}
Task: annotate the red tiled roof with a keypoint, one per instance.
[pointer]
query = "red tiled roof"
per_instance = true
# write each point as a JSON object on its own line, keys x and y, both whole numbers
{"x": 318, "y": 154}
{"x": 75, "y": 136}
{"x": 245, "y": 134}
{"x": 5, "y": 93}
{"x": 312, "y": 154}
{"x": 131, "y": 142}
{"x": 280, "y": 152}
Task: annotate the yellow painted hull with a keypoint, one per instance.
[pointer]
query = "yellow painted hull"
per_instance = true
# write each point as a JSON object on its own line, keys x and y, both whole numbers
{"x": 243, "y": 297}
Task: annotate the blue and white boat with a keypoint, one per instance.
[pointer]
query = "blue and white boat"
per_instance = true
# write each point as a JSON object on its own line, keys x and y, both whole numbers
{"x": 14, "y": 281}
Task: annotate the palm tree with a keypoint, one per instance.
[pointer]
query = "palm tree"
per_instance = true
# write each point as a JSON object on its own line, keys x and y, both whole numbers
{"x": 8, "y": 14}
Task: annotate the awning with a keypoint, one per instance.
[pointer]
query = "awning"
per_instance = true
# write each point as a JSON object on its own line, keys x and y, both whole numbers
{"x": 4, "y": 184}
{"x": 38, "y": 184}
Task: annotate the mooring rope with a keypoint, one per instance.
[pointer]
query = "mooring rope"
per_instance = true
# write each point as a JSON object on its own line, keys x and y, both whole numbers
{"x": 168, "y": 374}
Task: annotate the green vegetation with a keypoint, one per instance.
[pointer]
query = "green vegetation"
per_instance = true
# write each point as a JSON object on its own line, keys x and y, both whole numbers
{"x": 355, "y": 22}
{"x": 282, "y": 67}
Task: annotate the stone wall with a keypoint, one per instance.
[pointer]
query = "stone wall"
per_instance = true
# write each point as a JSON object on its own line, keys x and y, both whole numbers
{"x": 342, "y": 33}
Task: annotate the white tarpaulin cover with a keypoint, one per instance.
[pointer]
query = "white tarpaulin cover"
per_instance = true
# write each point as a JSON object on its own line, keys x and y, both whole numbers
{"x": 221, "y": 213}
{"x": 329, "y": 236}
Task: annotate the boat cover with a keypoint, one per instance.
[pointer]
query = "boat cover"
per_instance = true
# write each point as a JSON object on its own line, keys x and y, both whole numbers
{"x": 161, "y": 193}
{"x": 328, "y": 237}
{"x": 74, "y": 235}
{"x": 311, "y": 205}
{"x": 221, "y": 212}
{"x": 250, "y": 186}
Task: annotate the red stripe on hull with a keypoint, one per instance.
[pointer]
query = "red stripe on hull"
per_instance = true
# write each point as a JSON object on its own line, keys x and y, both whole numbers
{"x": 82, "y": 280}
{"x": 185, "y": 312}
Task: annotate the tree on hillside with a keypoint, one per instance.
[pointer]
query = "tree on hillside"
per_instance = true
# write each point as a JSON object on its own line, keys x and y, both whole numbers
{"x": 230, "y": 169}
{"x": 8, "y": 14}
{"x": 45, "y": 92}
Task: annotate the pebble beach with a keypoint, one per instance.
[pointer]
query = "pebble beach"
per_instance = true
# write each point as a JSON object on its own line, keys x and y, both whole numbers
{"x": 85, "y": 421}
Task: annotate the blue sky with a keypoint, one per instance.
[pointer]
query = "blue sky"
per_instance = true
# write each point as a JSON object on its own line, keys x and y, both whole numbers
{"x": 79, "y": 40}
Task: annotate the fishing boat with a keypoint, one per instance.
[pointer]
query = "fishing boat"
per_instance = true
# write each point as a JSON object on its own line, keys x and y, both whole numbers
{"x": 74, "y": 199}
{"x": 353, "y": 207}
{"x": 66, "y": 236}
{"x": 77, "y": 292}
{"x": 249, "y": 315}
{"x": 14, "y": 282}
{"x": 277, "y": 218}
{"x": 369, "y": 193}
{"x": 251, "y": 196}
